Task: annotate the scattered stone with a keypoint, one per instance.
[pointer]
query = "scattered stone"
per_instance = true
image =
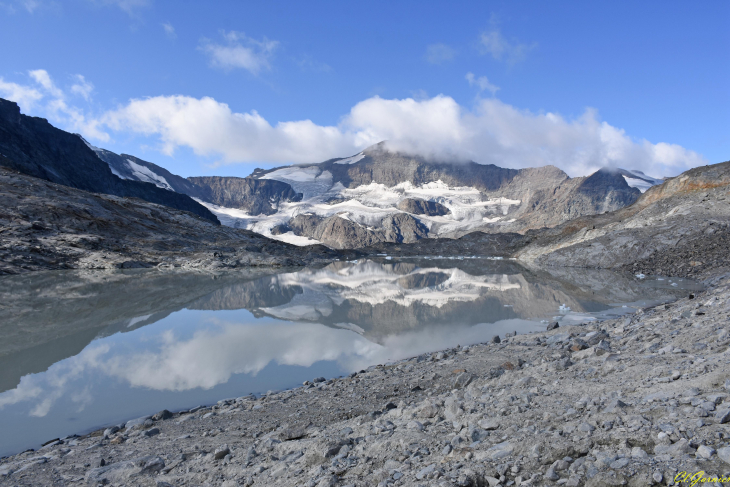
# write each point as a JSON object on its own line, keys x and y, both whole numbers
{"x": 162, "y": 415}
{"x": 705, "y": 451}
{"x": 463, "y": 380}
{"x": 221, "y": 452}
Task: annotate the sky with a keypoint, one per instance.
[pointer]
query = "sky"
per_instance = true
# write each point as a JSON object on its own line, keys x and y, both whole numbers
{"x": 223, "y": 87}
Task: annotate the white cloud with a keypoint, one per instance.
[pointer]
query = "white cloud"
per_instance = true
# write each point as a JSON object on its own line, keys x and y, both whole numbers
{"x": 82, "y": 87}
{"x": 494, "y": 43}
{"x": 240, "y": 51}
{"x": 439, "y": 53}
{"x": 129, "y": 6}
{"x": 30, "y": 5}
{"x": 490, "y": 132}
{"x": 51, "y": 101}
{"x": 42, "y": 77}
{"x": 482, "y": 83}
{"x": 169, "y": 30}
{"x": 25, "y": 96}
{"x": 211, "y": 128}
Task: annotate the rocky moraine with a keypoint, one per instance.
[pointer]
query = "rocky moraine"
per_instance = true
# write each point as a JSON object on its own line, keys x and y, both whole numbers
{"x": 631, "y": 401}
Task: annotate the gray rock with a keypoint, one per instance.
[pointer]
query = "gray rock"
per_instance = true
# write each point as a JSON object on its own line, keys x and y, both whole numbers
{"x": 424, "y": 472}
{"x": 463, "y": 380}
{"x": 586, "y": 428}
{"x": 705, "y": 451}
{"x": 121, "y": 472}
{"x": 132, "y": 423}
{"x": 221, "y": 452}
{"x": 151, "y": 432}
{"x": 722, "y": 416}
{"x": 488, "y": 424}
{"x": 724, "y": 454}
{"x": 293, "y": 433}
{"x": 638, "y": 452}
{"x": 418, "y": 206}
{"x": 162, "y": 415}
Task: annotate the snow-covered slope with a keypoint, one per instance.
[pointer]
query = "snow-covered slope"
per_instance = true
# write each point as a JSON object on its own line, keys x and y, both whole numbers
{"x": 368, "y": 205}
{"x": 639, "y": 180}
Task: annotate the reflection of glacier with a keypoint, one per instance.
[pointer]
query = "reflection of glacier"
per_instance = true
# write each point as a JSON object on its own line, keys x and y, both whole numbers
{"x": 385, "y": 299}
{"x": 376, "y": 284}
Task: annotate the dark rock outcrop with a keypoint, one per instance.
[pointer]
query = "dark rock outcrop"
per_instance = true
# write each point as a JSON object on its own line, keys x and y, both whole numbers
{"x": 342, "y": 233}
{"x": 34, "y": 147}
{"x": 255, "y": 196}
{"x": 419, "y": 206}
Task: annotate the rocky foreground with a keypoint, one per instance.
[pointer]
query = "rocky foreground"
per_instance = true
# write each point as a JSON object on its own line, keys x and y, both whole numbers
{"x": 634, "y": 401}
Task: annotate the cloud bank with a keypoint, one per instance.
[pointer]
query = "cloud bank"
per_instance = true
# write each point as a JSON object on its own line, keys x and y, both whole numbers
{"x": 488, "y": 132}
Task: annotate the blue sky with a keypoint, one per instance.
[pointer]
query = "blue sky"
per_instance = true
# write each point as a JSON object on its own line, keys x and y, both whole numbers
{"x": 223, "y": 87}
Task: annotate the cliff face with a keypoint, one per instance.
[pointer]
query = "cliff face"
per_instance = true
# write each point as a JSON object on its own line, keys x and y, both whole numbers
{"x": 34, "y": 147}
{"x": 254, "y": 196}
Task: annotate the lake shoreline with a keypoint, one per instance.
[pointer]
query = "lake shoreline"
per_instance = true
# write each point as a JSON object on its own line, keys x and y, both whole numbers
{"x": 635, "y": 399}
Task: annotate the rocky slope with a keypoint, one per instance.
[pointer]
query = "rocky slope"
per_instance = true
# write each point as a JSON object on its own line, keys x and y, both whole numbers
{"x": 44, "y": 225}
{"x": 642, "y": 400}
{"x": 34, "y": 147}
{"x": 680, "y": 228}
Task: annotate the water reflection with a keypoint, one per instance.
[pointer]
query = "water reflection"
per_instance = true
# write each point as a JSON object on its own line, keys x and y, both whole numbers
{"x": 81, "y": 350}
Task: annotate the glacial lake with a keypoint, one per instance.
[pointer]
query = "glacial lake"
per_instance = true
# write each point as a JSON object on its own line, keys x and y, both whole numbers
{"x": 80, "y": 350}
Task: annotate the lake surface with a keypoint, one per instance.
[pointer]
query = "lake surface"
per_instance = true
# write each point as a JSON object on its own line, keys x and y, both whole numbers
{"x": 81, "y": 350}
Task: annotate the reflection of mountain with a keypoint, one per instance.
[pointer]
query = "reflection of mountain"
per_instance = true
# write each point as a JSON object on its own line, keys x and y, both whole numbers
{"x": 383, "y": 299}
{"x": 47, "y": 317}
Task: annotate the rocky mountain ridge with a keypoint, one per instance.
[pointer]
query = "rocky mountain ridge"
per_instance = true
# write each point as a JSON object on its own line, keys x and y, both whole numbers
{"x": 379, "y": 196}
{"x": 34, "y": 147}
{"x": 679, "y": 228}
{"x": 253, "y": 196}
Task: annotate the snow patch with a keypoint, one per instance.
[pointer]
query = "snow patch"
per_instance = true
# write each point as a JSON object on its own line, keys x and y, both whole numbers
{"x": 145, "y": 174}
{"x": 351, "y": 160}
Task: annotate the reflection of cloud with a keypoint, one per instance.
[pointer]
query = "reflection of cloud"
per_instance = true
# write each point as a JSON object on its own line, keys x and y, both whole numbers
{"x": 53, "y": 384}
{"x": 215, "y": 353}
{"x": 212, "y": 355}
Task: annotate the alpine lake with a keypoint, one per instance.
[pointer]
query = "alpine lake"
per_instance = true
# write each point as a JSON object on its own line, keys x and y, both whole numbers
{"x": 82, "y": 350}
